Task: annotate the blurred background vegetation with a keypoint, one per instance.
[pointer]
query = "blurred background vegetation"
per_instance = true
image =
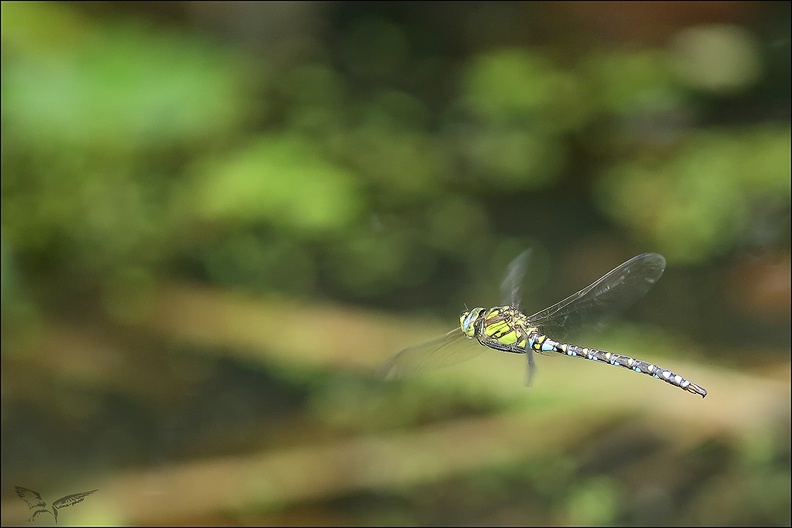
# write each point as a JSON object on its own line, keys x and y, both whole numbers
{"x": 218, "y": 219}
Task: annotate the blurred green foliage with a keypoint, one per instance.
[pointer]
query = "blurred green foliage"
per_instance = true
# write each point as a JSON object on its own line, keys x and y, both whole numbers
{"x": 129, "y": 146}
{"x": 701, "y": 197}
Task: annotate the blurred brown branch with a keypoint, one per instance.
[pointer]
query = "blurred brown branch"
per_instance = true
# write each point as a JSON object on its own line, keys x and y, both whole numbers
{"x": 272, "y": 478}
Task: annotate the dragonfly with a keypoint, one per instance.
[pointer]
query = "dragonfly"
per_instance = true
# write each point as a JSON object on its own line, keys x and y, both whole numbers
{"x": 506, "y": 328}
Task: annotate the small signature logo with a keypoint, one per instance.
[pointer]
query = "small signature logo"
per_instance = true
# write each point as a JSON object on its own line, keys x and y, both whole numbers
{"x": 34, "y": 500}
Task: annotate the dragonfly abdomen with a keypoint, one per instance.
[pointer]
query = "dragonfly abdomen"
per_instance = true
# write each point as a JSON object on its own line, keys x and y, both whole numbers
{"x": 541, "y": 343}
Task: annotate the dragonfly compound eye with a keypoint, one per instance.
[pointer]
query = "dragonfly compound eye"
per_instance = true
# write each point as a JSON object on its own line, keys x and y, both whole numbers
{"x": 467, "y": 319}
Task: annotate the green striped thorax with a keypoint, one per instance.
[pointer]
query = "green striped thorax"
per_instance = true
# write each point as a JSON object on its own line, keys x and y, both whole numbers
{"x": 467, "y": 321}
{"x": 501, "y": 327}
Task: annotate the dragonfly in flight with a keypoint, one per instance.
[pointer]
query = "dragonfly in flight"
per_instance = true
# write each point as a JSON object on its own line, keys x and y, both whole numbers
{"x": 508, "y": 329}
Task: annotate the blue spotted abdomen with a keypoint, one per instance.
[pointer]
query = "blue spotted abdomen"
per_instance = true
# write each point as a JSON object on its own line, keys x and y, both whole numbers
{"x": 539, "y": 342}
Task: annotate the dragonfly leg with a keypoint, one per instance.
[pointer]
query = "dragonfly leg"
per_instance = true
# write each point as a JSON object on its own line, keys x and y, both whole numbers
{"x": 530, "y": 368}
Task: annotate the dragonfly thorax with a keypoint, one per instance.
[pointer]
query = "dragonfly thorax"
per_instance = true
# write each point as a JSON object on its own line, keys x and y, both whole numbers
{"x": 501, "y": 327}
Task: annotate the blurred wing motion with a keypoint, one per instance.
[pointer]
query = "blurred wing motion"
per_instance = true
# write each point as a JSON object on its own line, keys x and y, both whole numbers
{"x": 611, "y": 293}
{"x": 510, "y": 287}
{"x": 453, "y": 347}
{"x": 32, "y": 498}
{"x": 448, "y": 349}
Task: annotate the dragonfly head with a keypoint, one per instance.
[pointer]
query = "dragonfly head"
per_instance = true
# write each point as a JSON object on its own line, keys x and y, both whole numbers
{"x": 467, "y": 321}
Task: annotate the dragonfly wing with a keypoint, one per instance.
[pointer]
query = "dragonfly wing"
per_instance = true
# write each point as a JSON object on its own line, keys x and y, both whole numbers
{"x": 451, "y": 348}
{"x": 614, "y": 291}
{"x": 510, "y": 287}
